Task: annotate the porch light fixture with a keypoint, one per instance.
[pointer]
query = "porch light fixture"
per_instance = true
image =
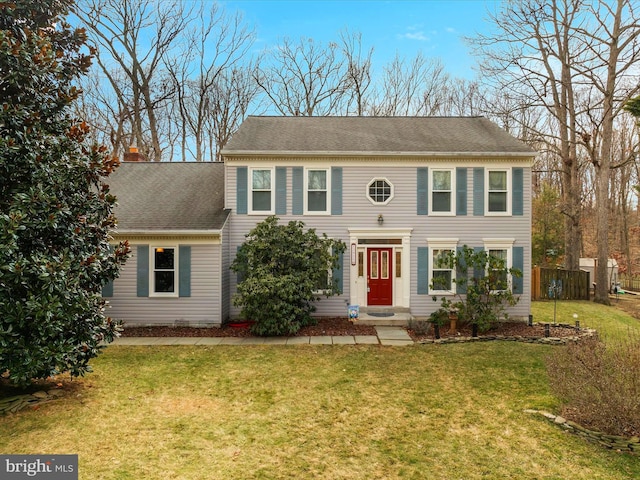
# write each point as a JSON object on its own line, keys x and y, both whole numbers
{"x": 380, "y": 219}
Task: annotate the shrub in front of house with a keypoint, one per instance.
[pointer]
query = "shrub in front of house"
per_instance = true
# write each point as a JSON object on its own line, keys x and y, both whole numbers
{"x": 284, "y": 269}
{"x": 481, "y": 289}
{"x": 598, "y": 384}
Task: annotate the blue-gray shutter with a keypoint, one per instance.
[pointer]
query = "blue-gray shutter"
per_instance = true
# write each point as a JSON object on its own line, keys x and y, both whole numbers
{"x": 461, "y": 272}
{"x": 239, "y": 275}
{"x": 297, "y": 180}
{"x": 423, "y": 270}
{"x": 142, "y": 271}
{"x": 337, "y": 274}
{"x": 461, "y": 191}
{"x": 478, "y": 191}
{"x": 478, "y": 272}
{"x": 336, "y": 190}
{"x": 281, "y": 190}
{"x": 241, "y": 190}
{"x": 517, "y": 204}
{"x": 184, "y": 271}
{"x": 107, "y": 289}
{"x": 422, "y": 176}
{"x": 518, "y": 262}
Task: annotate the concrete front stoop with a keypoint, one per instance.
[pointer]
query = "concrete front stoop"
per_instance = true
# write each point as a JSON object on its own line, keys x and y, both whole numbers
{"x": 385, "y": 316}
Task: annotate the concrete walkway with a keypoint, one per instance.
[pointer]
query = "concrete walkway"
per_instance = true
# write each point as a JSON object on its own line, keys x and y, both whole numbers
{"x": 391, "y": 336}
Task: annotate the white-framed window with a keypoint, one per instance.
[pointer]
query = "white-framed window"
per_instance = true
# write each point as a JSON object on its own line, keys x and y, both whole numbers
{"x": 497, "y": 191}
{"x": 441, "y": 186}
{"x": 163, "y": 281}
{"x": 317, "y": 185}
{"x": 380, "y": 191}
{"x": 441, "y": 274}
{"x": 501, "y": 252}
{"x": 262, "y": 191}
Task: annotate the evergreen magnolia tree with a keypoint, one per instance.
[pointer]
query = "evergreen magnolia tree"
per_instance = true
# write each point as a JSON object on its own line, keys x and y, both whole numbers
{"x": 55, "y": 210}
{"x": 633, "y": 107}
{"x": 284, "y": 269}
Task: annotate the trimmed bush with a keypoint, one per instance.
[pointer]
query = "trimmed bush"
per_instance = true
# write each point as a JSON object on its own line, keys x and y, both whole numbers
{"x": 285, "y": 269}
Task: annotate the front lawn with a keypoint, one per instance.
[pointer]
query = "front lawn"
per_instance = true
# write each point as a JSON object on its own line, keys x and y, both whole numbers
{"x": 612, "y": 323}
{"x": 333, "y": 412}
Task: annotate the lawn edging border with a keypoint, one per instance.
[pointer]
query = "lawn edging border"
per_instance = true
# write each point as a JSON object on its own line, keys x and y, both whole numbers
{"x": 581, "y": 333}
{"x": 18, "y": 402}
{"x": 618, "y": 443}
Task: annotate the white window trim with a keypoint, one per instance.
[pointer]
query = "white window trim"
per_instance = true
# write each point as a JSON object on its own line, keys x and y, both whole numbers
{"x": 250, "y": 209}
{"x": 509, "y": 192}
{"x": 152, "y": 270}
{"x": 383, "y": 179}
{"x": 452, "y": 210}
{"x": 306, "y": 191}
{"x": 502, "y": 244}
{"x": 441, "y": 244}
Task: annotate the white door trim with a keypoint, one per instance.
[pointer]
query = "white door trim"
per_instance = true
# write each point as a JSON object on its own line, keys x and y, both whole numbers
{"x": 357, "y": 291}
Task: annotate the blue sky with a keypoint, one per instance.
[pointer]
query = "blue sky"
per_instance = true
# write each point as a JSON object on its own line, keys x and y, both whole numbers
{"x": 434, "y": 27}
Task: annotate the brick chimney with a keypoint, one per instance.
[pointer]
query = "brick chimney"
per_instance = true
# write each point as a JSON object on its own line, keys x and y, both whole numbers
{"x": 134, "y": 156}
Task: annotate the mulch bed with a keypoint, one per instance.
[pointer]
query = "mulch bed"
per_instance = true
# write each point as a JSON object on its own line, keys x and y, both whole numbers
{"x": 326, "y": 326}
{"x": 507, "y": 329}
{"x": 337, "y": 326}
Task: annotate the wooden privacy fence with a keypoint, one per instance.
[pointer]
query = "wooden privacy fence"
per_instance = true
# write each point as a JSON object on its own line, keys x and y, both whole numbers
{"x": 629, "y": 283}
{"x": 566, "y": 284}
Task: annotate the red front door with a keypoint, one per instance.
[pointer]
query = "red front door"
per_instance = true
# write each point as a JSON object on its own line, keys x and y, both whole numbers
{"x": 379, "y": 276}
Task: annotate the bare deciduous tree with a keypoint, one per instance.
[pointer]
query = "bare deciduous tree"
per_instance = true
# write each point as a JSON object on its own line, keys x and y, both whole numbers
{"x": 358, "y": 74}
{"x": 570, "y": 57}
{"x": 133, "y": 39}
{"x": 613, "y": 52}
{"x": 304, "y": 78}
{"x": 413, "y": 87}
{"x": 229, "y": 103}
{"x": 531, "y": 57}
{"x": 213, "y": 44}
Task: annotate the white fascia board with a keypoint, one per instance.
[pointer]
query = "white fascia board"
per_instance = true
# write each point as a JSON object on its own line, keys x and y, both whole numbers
{"x": 325, "y": 153}
{"x": 191, "y": 233}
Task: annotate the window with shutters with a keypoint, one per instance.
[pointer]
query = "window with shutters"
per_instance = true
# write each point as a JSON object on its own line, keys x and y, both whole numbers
{"x": 442, "y": 273}
{"x": 317, "y": 188}
{"x": 500, "y": 260}
{"x": 441, "y": 186}
{"x": 498, "y": 194}
{"x": 164, "y": 272}
{"x": 262, "y": 191}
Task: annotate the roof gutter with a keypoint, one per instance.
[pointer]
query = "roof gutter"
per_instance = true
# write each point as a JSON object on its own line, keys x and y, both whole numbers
{"x": 191, "y": 233}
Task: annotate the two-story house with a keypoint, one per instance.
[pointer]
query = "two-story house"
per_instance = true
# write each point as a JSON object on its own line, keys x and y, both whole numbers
{"x": 397, "y": 190}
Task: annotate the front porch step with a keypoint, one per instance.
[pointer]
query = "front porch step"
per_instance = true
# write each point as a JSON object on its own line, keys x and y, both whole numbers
{"x": 385, "y": 316}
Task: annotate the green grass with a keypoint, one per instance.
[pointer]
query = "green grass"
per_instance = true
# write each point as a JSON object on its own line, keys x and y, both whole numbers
{"x": 330, "y": 412}
{"x": 610, "y": 322}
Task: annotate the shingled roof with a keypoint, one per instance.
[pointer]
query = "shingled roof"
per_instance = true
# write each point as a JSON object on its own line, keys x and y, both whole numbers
{"x": 163, "y": 196}
{"x": 448, "y": 136}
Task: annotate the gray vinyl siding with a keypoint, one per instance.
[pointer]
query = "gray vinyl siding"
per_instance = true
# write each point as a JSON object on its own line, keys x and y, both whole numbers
{"x": 205, "y": 306}
{"x": 225, "y": 274}
{"x": 401, "y": 212}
